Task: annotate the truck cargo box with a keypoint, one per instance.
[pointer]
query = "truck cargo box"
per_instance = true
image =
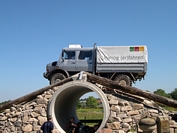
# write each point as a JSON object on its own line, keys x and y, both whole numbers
{"x": 122, "y": 54}
{"x": 121, "y": 59}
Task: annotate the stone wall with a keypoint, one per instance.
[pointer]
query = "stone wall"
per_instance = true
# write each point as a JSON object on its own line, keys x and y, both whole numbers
{"x": 27, "y": 116}
{"x": 126, "y": 112}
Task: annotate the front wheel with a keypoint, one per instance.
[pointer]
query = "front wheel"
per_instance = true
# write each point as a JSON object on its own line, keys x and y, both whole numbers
{"x": 57, "y": 77}
{"x": 123, "y": 80}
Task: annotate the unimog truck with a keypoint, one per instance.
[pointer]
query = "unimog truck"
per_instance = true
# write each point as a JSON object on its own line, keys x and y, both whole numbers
{"x": 124, "y": 64}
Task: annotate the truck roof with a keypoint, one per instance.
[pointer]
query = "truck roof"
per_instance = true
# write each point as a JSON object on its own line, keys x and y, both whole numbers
{"x": 75, "y": 49}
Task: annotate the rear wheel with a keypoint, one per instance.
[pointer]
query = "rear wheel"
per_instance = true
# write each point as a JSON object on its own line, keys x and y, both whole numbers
{"x": 57, "y": 77}
{"x": 123, "y": 80}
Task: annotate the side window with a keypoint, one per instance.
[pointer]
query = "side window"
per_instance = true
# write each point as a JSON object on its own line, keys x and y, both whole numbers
{"x": 85, "y": 55}
{"x": 69, "y": 55}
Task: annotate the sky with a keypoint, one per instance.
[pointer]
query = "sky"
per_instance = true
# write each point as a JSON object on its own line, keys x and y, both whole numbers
{"x": 32, "y": 34}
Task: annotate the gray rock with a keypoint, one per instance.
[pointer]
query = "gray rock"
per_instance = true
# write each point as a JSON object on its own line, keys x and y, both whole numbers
{"x": 25, "y": 118}
{"x": 13, "y": 129}
{"x": 43, "y": 113}
{"x": 8, "y": 124}
{"x": 42, "y": 101}
{"x": 40, "y": 97}
{"x": 34, "y": 114}
{"x": 123, "y": 103}
{"x": 127, "y": 120}
{"x": 3, "y": 118}
{"x": 137, "y": 106}
{"x": 125, "y": 125}
{"x": 7, "y": 111}
{"x": 16, "y": 114}
{"x": 113, "y": 114}
{"x": 18, "y": 124}
{"x": 2, "y": 123}
{"x": 126, "y": 108}
{"x": 114, "y": 101}
{"x": 153, "y": 111}
{"x": 122, "y": 115}
{"x": 133, "y": 112}
{"x": 32, "y": 120}
{"x": 48, "y": 96}
{"x": 114, "y": 125}
{"x": 13, "y": 109}
{"x": 38, "y": 109}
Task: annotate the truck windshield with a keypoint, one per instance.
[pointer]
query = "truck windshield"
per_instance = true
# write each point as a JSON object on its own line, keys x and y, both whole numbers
{"x": 67, "y": 55}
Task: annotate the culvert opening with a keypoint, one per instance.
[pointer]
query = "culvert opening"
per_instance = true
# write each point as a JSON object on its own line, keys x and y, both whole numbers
{"x": 63, "y": 103}
{"x": 90, "y": 109}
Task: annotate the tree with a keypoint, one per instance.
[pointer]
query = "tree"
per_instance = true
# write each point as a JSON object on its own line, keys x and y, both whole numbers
{"x": 79, "y": 104}
{"x": 161, "y": 92}
{"x": 91, "y": 102}
{"x": 174, "y": 94}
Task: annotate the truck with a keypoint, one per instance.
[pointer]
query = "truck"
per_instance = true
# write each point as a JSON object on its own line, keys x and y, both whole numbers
{"x": 123, "y": 64}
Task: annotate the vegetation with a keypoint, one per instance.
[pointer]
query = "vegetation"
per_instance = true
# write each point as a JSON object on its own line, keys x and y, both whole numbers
{"x": 89, "y": 109}
{"x": 4, "y": 102}
{"x": 172, "y": 95}
{"x": 89, "y": 102}
{"x": 89, "y": 114}
{"x": 162, "y": 93}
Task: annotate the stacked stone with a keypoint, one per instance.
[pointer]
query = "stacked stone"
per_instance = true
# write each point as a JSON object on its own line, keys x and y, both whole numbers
{"x": 26, "y": 117}
{"x": 125, "y": 115}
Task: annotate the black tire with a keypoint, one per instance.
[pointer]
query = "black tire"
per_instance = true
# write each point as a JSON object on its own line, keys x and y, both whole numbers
{"x": 56, "y": 78}
{"x": 123, "y": 80}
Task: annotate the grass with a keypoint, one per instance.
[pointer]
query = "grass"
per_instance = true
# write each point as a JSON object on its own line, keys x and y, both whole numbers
{"x": 89, "y": 114}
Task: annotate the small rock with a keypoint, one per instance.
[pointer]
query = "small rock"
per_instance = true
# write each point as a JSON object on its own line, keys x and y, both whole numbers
{"x": 137, "y": 106}
{"x": 12, "y": 109}
{"x": 3, "y": 118}
{"x": 126, "y": 108}
{"x": 114, "y": 125}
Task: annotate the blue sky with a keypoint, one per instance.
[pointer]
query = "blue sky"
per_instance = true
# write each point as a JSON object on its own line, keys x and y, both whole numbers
{"x": 32, "y": 34}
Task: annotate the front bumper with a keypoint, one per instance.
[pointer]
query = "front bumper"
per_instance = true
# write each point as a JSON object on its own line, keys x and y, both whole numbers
{"x": 45, "y": 75}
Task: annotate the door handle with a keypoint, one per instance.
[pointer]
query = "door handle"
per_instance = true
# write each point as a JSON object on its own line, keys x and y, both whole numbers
{"x": 73, "y": 63}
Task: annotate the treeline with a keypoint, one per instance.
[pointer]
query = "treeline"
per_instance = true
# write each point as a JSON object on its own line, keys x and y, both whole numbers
{"x": 90, "y": 102}
{"x": 4, "y": 102}
{"x": 172, "y": 95}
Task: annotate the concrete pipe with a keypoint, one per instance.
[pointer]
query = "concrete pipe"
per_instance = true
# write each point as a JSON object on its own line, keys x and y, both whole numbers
{"x": 63, "y": 103}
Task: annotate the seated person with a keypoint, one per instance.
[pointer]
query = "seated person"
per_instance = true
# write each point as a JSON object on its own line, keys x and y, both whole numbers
{"x": 71, "y": 126}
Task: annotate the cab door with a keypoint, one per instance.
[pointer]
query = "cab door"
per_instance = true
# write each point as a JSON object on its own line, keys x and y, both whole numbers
{"x": 69, "y": 61}
{"x": 84, "y": 61}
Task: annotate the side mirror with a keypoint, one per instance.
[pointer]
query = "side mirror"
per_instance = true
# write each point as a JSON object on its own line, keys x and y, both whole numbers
{"x": 62, "y": 59}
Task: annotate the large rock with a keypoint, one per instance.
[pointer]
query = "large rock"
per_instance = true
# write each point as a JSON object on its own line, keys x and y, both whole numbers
{"x": 27, "y": 128}
{"x": 114, "y": 125}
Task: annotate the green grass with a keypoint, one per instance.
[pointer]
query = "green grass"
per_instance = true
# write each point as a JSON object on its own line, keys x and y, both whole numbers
{"x": 89, "y": 114}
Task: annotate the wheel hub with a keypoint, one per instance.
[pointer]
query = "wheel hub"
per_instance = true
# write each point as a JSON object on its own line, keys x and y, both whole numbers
{"x": 122, "y": 83}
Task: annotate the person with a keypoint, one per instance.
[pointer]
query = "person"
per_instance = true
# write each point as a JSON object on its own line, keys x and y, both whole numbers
{"x": 47, "y": 127}
{"x": 71, "y": 126}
